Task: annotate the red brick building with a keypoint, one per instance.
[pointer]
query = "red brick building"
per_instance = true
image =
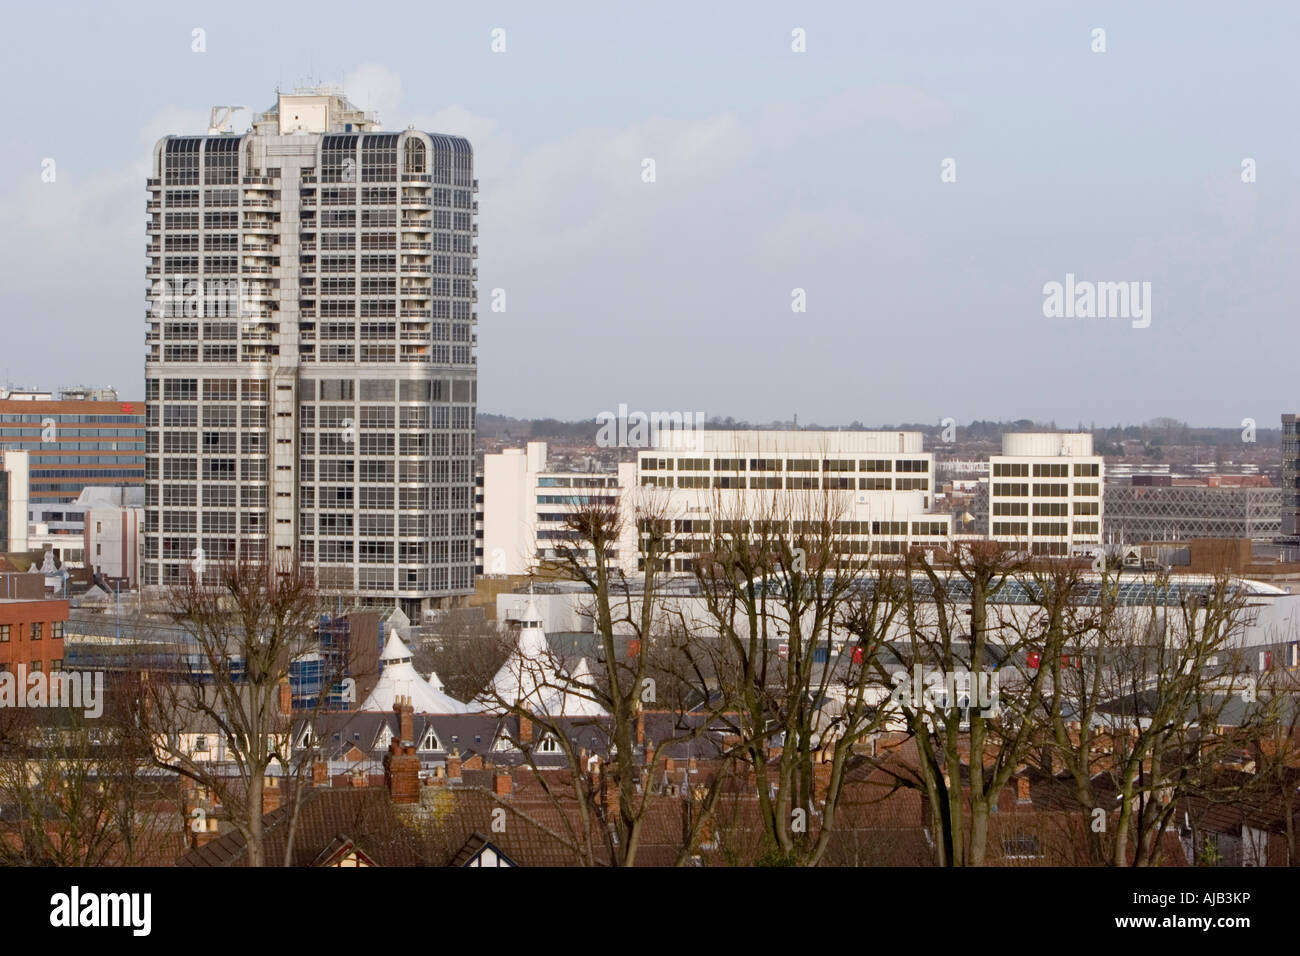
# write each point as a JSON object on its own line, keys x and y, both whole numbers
{"x": 31, "y": 632}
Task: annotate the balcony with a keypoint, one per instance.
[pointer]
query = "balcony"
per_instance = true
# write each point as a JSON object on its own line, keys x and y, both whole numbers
{"x": 417, "y": 246}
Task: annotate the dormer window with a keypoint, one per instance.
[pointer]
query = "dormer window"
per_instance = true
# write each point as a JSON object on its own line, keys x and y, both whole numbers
{"x": 430, "y": 742}
{"x": 549, "y": 745}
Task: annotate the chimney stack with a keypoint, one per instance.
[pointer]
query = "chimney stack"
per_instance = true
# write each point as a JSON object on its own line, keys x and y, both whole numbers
{"x": 286, "y": 697}
{"x": 402, "y": 773}
{"x": 270, "y": 794}
{"x": 525, "y": 729}
{"x": 502, "y": 784}
{"x": 1022, "y": 790}
{"x": 405, "y": 719}
{"x": 320, "y": 773}
{"x": 453, "y": 766}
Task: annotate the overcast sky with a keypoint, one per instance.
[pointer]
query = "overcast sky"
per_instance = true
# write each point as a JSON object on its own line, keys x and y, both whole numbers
{"x": 774, "y": 170}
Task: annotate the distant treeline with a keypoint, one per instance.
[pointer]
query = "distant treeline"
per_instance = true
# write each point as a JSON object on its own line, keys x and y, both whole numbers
{"x": 1158, "y": 431}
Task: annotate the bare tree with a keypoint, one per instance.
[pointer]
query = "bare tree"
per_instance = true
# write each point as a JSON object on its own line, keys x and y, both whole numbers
{"x": 993, "y": 732}
{"x": 798, "y": 614}
{"x": 612, "y": 798}
{"x": 1138, "y": 681}
{"x": 75, "y": 790}
{"x": 249, "y": 626}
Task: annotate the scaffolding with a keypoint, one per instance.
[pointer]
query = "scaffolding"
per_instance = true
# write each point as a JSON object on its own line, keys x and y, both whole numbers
{"x": 1177, "y": 513}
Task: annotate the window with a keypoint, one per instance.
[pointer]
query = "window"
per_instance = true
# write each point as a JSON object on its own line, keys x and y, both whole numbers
{"x": 4, "y": 633}
{"x": 37, "y": 628}
{"x": 549, "y": 745}
{"x": 1021, "y": 847}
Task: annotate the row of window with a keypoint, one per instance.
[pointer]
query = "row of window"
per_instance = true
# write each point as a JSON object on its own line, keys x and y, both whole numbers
{"x": 1021, "y": 489}
{"x": 1021, "y": 469}
{"x": 790, "y": 464}
{"x": 1045, "y": 508}
{"x": 1044, "y": 529}
{"x": 36, "y": 631}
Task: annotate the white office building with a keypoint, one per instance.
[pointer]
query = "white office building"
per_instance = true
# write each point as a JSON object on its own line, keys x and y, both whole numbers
{"x": 525, "y": 505}
{"x": 881, "y": 487}
{"x": 1045, "y": 493}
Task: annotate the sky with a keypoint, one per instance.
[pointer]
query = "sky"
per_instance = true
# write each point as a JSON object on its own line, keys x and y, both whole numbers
{"x": 921, "y": 172}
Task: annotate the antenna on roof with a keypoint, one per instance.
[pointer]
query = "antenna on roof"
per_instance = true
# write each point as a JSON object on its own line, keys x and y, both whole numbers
{"x": 219, "y": 119}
